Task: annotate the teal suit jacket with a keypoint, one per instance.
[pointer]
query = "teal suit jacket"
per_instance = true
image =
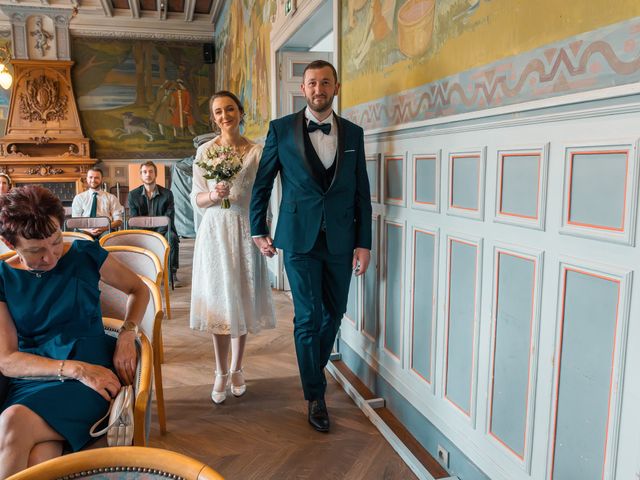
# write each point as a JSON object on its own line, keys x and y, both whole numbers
{"x": 345, "y": 206}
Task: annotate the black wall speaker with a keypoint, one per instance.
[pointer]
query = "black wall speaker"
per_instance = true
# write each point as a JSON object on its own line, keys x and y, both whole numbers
{"x": 208, "y": 53}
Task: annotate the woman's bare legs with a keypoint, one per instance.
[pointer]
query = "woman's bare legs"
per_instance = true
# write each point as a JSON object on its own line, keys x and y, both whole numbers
{"x": 237, "y": 352}
{"x": 44, "y": 451}
{"x": 221, "y": 346}
{"x": 21, "y": 429}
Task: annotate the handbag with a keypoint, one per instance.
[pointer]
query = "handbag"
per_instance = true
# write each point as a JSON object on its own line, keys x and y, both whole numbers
{"x": 119, "y": 430}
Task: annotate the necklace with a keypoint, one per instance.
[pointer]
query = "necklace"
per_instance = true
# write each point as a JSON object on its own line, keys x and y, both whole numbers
{"x": 37, "y": 273}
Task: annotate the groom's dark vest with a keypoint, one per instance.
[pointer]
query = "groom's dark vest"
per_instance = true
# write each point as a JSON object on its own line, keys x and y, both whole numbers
{"x": 324, "y": 176}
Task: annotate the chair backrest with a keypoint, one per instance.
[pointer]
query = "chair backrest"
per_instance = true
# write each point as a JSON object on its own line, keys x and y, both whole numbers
{"x": 7, "y": 254}
{"x": 87, "y": 222}
{"x": 142, "y": 261}
{"x": 149, "y": 222}
{"x": 68, "y": 212}
{"x": 142, "y": 384}
{"x": 113, "y": 303}
{"x": 140, "y": 238}
{"x": 123, "y": 463}
{"x": 70, "y": 237}
{"x": 4, "y": 248}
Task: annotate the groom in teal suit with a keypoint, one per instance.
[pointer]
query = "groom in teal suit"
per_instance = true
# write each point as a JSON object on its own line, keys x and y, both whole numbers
{"x": 324, "y": 224}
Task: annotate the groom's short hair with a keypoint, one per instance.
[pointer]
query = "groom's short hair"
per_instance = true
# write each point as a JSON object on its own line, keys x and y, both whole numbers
{"x": 318, "y": 64}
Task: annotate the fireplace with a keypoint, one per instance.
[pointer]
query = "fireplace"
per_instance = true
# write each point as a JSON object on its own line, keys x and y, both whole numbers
{"x": 43, "y": 142}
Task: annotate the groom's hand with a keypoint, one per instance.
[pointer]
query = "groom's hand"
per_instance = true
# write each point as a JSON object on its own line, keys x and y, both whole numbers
{"x": 361, "y": 257}
{"x": 265, "y": 244}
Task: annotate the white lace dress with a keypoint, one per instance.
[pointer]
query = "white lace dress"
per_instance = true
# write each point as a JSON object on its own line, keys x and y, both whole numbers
{"x": 230, "y": 292}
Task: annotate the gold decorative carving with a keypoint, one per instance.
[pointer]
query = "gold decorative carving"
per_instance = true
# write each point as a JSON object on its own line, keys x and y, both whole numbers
{"x": 43, "y": 101}
{"x": 13, "y": 151}
{"x": 71, "y": 152}
{"x": 6, "y": 169}
{"x": 42, "y": 140}
{"x": 44, "y": 170}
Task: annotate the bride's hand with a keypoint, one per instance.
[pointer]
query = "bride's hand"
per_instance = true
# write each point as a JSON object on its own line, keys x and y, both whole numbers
{"x": 222, "y": 189}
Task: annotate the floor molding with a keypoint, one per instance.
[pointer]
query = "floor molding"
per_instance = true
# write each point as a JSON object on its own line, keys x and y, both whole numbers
{"x": 412, "y": 453}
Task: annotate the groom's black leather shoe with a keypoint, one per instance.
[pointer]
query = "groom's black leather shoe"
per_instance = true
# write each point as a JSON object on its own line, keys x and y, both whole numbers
{"x": 318, "y": 415}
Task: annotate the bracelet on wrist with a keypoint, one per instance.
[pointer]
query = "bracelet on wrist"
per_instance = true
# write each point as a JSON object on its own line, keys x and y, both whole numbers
{"x": 61, "y": 377}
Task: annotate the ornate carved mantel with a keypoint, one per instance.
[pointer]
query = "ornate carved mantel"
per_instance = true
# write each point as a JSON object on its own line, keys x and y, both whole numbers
{"x": 43, "y": 142}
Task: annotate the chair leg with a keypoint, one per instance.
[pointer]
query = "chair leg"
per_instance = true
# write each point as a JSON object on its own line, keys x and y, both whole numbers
{"x": 166, "y": 294}
{"x": 157, "y": 376}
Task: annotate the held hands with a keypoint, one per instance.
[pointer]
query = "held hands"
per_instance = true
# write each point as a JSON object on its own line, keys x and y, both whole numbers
{"x": 125, "y": 357}
{"x": 361, "y": 257}
{"x": 265, "y": 244}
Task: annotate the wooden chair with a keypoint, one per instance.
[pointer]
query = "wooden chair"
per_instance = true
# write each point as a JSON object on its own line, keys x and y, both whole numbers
{"x": 4, "y": 249}
{"x": 70, "y": 237}
{"x": 113, "y": 303}
{"x": 86, "y": 222}
{"x": 150, "y": 241}
{"x": 122, "y": 463}
{"x": 143, "y": 380}
{"x": 7, "y": 254}
{"x": 142, "y": 222}
{"x": 145, "y": 263}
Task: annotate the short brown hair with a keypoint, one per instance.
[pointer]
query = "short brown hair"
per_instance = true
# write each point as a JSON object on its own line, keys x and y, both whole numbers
{"x": 95, "y": 169}
{"x": 317, "y": 65}
{"x": 28, "y": 212}
{"x": 149, "y": 164}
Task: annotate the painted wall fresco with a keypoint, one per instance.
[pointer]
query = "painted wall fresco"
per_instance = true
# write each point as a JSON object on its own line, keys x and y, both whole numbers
{"x": 242, "y": 59}
{"x": 141, "y": 99}
{"x": 399, "y": 45}
{"x": 602, "y": 58}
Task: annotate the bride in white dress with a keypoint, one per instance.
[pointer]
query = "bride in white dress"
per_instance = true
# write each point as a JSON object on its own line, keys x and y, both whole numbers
{"x": 231, "y": 294}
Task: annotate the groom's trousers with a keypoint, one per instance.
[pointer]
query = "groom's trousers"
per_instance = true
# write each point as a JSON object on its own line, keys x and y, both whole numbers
{"x": 319, "y": 283}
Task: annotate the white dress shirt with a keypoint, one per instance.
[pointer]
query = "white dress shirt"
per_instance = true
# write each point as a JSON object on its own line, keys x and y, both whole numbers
{"x": 107, "y": 205}
{"x": 324, "y": 145}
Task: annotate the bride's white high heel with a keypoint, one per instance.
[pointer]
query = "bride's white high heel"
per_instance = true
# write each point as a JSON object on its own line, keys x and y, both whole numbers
{"x": 219, "y": 397}
{"x": 238, "y": 390}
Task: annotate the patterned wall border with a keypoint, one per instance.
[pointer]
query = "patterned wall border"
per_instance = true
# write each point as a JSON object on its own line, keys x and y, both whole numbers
{"x": 598, "y": 59}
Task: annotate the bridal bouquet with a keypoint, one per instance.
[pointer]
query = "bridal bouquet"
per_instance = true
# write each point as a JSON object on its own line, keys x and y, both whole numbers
{"x": 222, "y": 164}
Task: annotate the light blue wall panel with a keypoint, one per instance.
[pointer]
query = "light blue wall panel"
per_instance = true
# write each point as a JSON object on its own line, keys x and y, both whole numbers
{"x": 516, "y": 281}
{"x": 423, "y": 289}
{"x": 425, "y": 180}
{"x": 598, "y": 188}
{"x": 461, "y": 316}
{"x": 520, "y": 185}
{"x": 465, "y": 177}
{"x": 393, "y": 286}
{"x": 394, "y": 178}
{"x": 370, "y": 287}
{"x": 352, "y": 301}
{"x": 585, "y": 374}
{"x": 372, "y": 172}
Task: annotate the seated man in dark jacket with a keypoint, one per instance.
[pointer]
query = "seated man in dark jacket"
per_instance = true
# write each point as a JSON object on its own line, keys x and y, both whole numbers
{"x": 151, "y": 200}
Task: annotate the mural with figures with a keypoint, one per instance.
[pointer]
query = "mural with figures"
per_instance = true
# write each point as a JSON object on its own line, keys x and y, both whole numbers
{"x": 5, "y": 95}
{"x": 242, "y": 51}
{"x": 141, "y": 99}
{"x": 428, "y": 58}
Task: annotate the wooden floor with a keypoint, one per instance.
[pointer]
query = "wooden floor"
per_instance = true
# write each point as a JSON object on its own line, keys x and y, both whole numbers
{"x": 264, "y": 434}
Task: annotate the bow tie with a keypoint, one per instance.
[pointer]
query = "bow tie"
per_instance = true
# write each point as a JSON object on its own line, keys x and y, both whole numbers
{"x": 324, "y": 127}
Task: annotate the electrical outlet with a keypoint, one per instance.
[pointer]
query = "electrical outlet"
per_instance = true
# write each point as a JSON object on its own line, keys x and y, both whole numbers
{"x": 443, "y": 456}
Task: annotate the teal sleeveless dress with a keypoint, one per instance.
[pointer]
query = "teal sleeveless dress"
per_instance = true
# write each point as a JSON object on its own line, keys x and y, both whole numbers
{"x": 57, "y": 315}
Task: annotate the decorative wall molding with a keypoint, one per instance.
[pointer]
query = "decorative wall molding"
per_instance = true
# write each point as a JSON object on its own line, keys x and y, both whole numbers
{"x": 585, "y": 62}
{"x": 140, "y": 35}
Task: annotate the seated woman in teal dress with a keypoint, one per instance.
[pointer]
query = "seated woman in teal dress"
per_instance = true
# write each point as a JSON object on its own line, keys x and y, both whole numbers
{"x": 62, "y": 368}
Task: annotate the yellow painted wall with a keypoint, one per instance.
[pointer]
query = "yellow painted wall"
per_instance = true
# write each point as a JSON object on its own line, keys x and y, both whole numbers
{"x": 463, "y": 38}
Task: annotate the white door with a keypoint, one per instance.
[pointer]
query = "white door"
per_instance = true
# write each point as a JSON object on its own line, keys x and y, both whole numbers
{"x": 290, "y": 68}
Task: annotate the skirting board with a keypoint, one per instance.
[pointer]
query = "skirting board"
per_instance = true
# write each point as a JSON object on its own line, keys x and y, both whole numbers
{"x": 367, "y": 408}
